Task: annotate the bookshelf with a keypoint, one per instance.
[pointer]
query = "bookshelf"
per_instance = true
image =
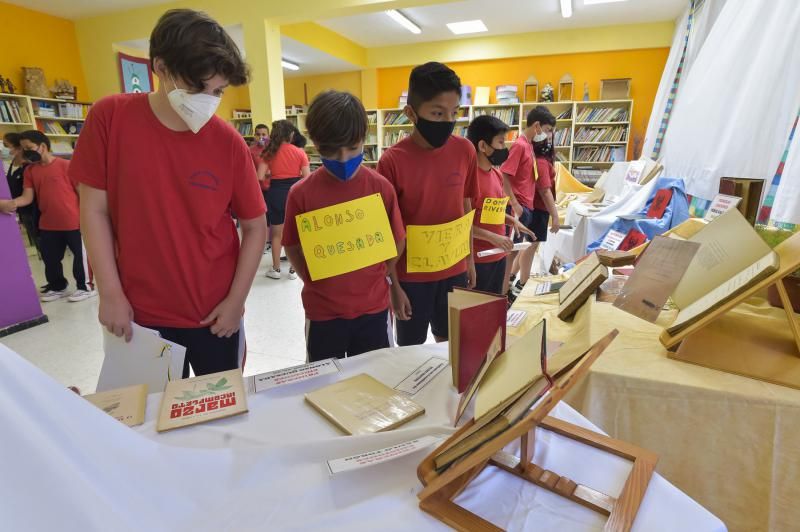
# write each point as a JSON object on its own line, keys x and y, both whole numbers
{"x": 242, "y": 121}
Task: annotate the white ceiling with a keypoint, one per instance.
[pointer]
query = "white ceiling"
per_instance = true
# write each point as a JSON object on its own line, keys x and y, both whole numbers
{"x": 311, "y": 60}
{"x": 75, "y": 9}
{"x": 500, "y": 16}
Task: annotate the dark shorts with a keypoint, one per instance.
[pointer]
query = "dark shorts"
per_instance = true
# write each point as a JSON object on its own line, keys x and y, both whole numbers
{"x": 341, "y": 337}
{"x": 536, "y": 221}
{"x": 490, "y": 276}
{"x": 265, "y": 193}
{"x": 276, "y": 199}
{"x": 428, "y": 307}
{"x": 206, "y": 352}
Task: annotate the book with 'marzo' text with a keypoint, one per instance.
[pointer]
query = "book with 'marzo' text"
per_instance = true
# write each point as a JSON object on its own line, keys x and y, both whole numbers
{"x": 201, "y": 399}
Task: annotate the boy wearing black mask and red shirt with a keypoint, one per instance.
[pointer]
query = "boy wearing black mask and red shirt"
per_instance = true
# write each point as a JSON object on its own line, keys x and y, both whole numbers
{"x": 434, "y": 174}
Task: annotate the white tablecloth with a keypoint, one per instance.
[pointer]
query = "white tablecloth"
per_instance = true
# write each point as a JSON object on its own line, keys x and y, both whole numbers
{"x": 69, "y": 466}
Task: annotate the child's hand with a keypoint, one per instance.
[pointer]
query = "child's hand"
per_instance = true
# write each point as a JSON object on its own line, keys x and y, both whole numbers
{"x": 503, "y": 242}
{"x": 400, "y": 303}
{"x": 521, "y": 229}
{"x": 224, "y": 319}
{"x": 116, "y": 315}
{"x": 555, "y": 226}
{"x": 8, "y": 206}
{"x": 472, "y": 276}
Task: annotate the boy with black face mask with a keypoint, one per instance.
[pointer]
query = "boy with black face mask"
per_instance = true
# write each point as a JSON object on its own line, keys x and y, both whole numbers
{"x": 46, "y": 179}
{"x": 435, "y": 176}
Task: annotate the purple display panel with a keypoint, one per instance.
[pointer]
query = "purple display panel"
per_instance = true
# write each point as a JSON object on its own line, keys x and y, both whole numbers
{"x": 20, "y": 300}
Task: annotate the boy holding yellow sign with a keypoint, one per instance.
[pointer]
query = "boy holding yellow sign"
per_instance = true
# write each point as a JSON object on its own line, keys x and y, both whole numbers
{"x": 343, "y": 231}
{"x": 487, "y": 134}
{"x": 434, "y": 174}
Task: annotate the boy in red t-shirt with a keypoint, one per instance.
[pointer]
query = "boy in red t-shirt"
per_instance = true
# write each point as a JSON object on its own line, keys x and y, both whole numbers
{"x": 487, "y": 134}
{"x": 347, "y": 314}
{"x": 160, "y": 174}
{"x": 46, "y": 179}
{"x": 434, "y": 175}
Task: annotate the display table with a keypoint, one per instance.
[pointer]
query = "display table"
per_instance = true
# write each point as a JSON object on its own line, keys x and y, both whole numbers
{"x": 730, "y": 442}
{"x": 69, "y": 466}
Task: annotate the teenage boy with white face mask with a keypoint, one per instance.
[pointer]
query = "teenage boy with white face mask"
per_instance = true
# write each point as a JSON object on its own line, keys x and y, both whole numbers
{"x": 159, "y": 177}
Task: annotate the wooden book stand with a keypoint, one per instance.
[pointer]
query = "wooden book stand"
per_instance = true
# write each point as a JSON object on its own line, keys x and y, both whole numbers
{"x": 760, "y": 348}
{"x": 440, "y": 489}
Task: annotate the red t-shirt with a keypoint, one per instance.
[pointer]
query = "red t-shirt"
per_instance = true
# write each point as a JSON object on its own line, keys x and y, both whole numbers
{"x": 255, "y": 152}
{"x": 519, "y": 166}
{"x": 353, "y": 294}
{"x": 545, "y": 180}
{"x": 431, "y": 186}
{"x": 287, "y": 162}
{"x": 491, "y": 185}
{"x": 55, "y": 194}
{"x": 170, "y": 195}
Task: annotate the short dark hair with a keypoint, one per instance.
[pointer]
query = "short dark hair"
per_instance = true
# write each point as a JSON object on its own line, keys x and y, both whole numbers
{"x": 37, "y": 137}
{"x": 261, "y": 126}
{"x": 298, "y": 139}
{"x": 485, "y": 128}
{"x": 12, "y": 138}
{"x": 540, "y": 114}
{"x": 336, "y": 119}
{"x": 195, "y": 47}
{"x": 429, "y": 80}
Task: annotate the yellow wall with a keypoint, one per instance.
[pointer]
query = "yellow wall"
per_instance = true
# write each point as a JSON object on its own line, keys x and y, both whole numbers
{"x": 644, "y": 67}
{"x": 342, "y": 81}
{"x": 30, "y": 38}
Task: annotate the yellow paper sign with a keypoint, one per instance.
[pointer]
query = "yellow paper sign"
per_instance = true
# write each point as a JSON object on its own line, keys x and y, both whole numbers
{"x": 493, "y": 211}
{"x": 346, "y": 237}
{"x": 433, "y": 248}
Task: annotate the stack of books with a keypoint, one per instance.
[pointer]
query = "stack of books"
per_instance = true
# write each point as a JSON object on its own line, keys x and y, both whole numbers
{"x": 601, "y": 134}
{"x": 72, "y": 110}
{"x": 508, "y": 115}
{"x": 603, "y": 114}
{"x": 601, "y": 154}
{"x": 506, "y": 94}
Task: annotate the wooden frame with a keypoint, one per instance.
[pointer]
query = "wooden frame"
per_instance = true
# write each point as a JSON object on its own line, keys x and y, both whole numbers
{"x": 121, "y": 59}
{"x": 440, "y": 488}
{"x": 762, "y": 351}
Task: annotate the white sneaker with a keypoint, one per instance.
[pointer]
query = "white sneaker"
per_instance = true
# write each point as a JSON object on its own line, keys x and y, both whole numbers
{"x": 52, "y": 295}
{"x": 80, "y": 295}
{"x": 272, "y": 273}
{"x": 292, "y": 274}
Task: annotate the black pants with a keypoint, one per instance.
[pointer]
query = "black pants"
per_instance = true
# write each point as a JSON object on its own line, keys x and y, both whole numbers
{"x": 428, "y": 307}
{"x": 340, "y": 337}
{"x": 206, "y": 352}
{"x": 490, "y": 276}
{"x": 53, "y": 245}
{"x": 29, "y": 222}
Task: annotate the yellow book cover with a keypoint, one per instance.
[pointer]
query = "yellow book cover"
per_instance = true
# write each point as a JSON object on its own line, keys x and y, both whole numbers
{"x": 123, "y": 404}
{"x": 362, "y": 405}
{"x": 200, "y": 399}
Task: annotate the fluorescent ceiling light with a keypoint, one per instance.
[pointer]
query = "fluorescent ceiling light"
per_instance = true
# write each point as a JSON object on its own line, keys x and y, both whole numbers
{"x": 467, "y": 26}
{"x": 566, "y": 8}
{"x": 594, "y": 2}
{"x": 288, "y": 65}
{"x": 403, "y": 21}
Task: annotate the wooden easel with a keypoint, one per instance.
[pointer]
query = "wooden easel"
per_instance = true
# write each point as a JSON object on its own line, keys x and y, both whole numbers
{"x": 758, "y": 348}
{"x": 440, "y": 489}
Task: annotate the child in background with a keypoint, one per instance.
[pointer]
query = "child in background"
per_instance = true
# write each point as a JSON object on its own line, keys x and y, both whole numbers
{"x": 487, "y": 134}
{"x": 282, "y": 165}
{"x": 347, "y": 314}
{"x": 47, "y": 180}
{"x": 544, "y": 203}
{"x": 435, "y": 176}
{"x": 520, "y": 177}
{"x": 160, "y": 174}
{"x": 29, "y": 215}
{"x": 260, "y": 141}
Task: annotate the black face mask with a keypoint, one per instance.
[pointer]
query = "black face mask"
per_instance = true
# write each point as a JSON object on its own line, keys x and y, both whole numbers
{"x": 498, "y": 157}
{"x": 436, "y": 133}
{"x": 543, "y": 148}
{"x": 31, "y": 156}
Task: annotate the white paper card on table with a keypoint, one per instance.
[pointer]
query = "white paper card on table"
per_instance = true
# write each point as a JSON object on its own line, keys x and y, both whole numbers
{"x": 635, "y": 170}
{"x": 494, "y": 251}
{"x": 612, "y": 240}
{"x": 379, "y": 456}
{"x": 721, "y": 203}
{"x": 420, "y": 377}
{"x": 146, "y": 359}
{"x": 514, "y": 318}
{"x": 281, "y": 377}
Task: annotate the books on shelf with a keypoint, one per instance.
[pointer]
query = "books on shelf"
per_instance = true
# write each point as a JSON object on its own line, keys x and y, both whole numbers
{"x": 562, "y": 137}
{"x": 73, "y": 110}
{"x": 601, "y": 134}
{"x": 509, "y": 115}
{"x": 372, "y": 118}
{"x": 506, "y": 94}
{"x": 599, "y": 154}
{"x": 460, "y": 131}
{"x": 395, "y": 118}
{"x": 390, "y": 138}
{"x": 602, "y": 114}
{"x": 370, "y": 153}
{"x": 244, "y": 128}
{"x": 561, "y": 158}
{"x": 59, "y": 128}
{"x": 242, "y": 113}
{"x": 294, "y": 109}
{"x": 565, "y": 114}
{"x": 12, "y": 111}
{"x": 363, "y": 405}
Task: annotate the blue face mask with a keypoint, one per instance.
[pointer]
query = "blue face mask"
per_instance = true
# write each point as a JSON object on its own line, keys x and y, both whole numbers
{"x": 343, "y": 170}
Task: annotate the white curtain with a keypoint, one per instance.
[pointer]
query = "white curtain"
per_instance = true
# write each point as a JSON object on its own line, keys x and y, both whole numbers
{"x": 738, "y": 100}
{"x": 703, "y": 19}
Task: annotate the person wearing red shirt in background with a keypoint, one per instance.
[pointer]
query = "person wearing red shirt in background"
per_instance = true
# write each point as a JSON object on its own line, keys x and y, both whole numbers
{"x": 282, "y": 166}
{"x": 46, "y": 179}
{"x": 487, "y": 134}
{"x": 347, "y": 314}
{"x": 519, "y": 183}
{"x": 159, "y": 175}
{"x": 434, "y": 175}
{"x": 544, "y": 203}
{"x": 260, "y": 141}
